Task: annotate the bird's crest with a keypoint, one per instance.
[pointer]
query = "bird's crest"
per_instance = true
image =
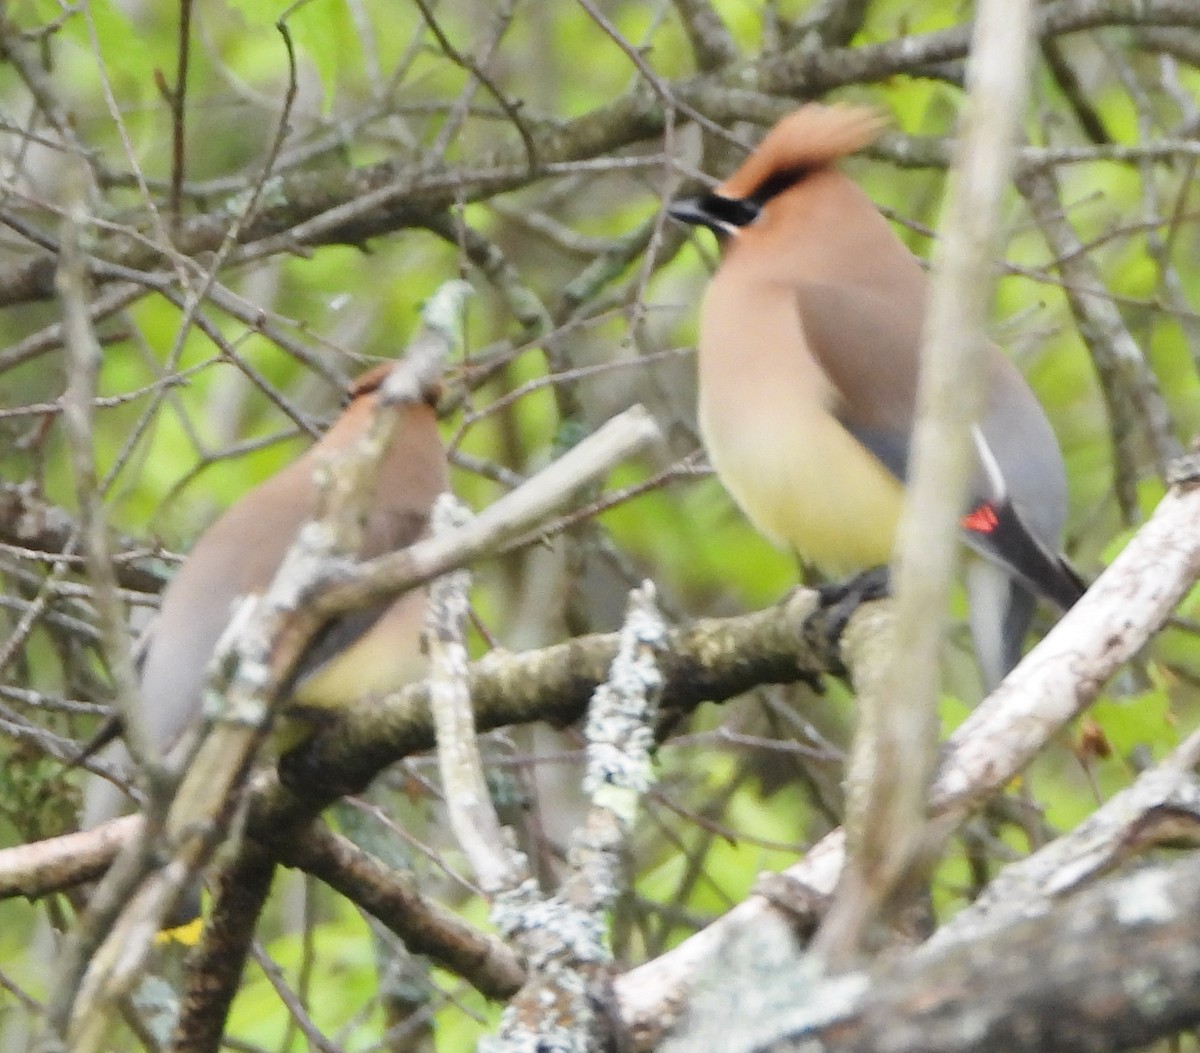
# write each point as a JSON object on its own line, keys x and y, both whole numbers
{"x": 372, "y": 380}
{"x": 369, "y": 381}
{"x": 811, "y": 137}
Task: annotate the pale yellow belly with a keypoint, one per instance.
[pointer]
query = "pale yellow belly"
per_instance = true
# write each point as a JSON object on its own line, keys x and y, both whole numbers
{"x": 805, "y": 483}
{"x": 385, "y": 659}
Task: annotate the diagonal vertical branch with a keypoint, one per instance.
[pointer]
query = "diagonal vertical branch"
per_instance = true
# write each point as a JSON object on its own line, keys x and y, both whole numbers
{"x": 496, "y": 866}
{"x": 887, "y": 818}
{"x": 1130, "y": 388}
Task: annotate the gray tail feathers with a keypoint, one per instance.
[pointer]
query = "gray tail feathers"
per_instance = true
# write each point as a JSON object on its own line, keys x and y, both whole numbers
{"x": 1001, "y": 609}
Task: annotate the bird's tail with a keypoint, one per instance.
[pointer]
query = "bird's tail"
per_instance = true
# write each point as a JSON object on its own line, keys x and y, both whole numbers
{"x": 1001, "y": 609}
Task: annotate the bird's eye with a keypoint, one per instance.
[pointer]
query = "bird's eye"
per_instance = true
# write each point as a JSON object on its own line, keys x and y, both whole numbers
{"x": 776, "y": 184}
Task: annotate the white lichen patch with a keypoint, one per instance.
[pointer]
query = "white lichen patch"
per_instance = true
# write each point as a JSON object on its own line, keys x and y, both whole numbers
{"x": 1144, "y": 899}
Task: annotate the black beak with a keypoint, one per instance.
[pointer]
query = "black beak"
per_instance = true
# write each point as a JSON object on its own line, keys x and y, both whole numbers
{"x": 690, "y": 210}
{"x": 722, "y": 215}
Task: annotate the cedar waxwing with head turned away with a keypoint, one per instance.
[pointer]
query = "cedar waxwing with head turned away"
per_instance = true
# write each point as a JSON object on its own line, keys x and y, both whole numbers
{"x": 810, "y": 339}
{"x": 362, "y": 652}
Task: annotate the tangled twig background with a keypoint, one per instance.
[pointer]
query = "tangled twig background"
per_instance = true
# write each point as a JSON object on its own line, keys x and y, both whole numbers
{"x": 245, "y": 205}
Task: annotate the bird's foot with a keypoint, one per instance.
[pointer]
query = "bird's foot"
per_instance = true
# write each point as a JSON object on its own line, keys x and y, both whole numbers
{"x": 873, "y": 584}
{"x": 840, "y": 599}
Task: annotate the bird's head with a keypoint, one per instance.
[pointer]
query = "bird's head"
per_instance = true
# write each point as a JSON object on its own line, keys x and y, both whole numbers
{"x": 808, "y": 139}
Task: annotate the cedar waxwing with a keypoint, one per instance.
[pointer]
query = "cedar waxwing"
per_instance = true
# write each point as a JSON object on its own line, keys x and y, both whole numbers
{"x": 361, "y": 653}
{"x": 810, "y": 337}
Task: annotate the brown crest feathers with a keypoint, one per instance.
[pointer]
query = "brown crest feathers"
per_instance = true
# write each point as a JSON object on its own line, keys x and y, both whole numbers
{"x": 375, "y": 376}
{"x": 811, "y": 137}
{"x": 369, "y": 381}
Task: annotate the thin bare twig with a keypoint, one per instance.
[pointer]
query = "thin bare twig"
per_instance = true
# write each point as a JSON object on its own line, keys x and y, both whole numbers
{"x": 78, "y": 413}
{"x": 178, "y": 103}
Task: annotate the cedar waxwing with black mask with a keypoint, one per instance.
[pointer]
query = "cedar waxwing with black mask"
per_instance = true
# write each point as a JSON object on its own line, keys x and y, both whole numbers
{"x": 810, "y": 338}
{"x": 361, "y": 653}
